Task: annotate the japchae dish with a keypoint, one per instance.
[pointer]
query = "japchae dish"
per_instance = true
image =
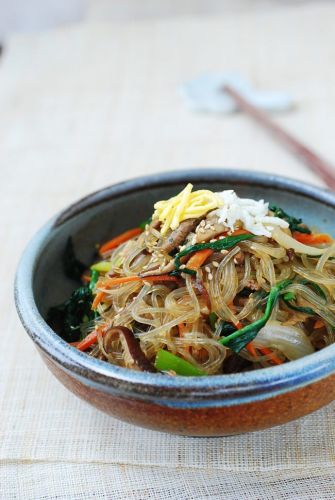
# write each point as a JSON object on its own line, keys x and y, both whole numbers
{"x": 211, "y": 283}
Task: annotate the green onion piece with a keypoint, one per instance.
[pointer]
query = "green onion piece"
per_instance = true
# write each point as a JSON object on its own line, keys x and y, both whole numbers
{"x": 144, "y": 223}
{"x": 317, "y": 289}
{"x": 227, "y": 328}
{"x": 94, "y": 279}
{"x": 166, "y": 361}
{"x": 239, "y": 339}
{"x": 224, "y": 244}
{"x": 289, "y": 296}
{"x": 102, "y": 267}
{"x": 212, "y": 320}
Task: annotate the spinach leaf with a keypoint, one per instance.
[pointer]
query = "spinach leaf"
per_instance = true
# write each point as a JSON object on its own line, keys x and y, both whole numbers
{"x": 144, "y": 223}
{"x": 67, "y": 318}
{"x": 225, "y": 327}
{"x": 290, "y": 296}
{"x": 224, "y": 244}
{"x": 317, "y": 289}
{"x": 294, "y": 223}
{"x": 239, "y": 339}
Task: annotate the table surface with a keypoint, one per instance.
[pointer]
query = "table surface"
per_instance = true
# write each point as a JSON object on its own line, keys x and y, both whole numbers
{"x": 89, "y": 105}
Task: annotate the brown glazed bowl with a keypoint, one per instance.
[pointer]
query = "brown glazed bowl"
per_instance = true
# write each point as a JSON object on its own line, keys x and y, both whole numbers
{"x": 197, "y": 406}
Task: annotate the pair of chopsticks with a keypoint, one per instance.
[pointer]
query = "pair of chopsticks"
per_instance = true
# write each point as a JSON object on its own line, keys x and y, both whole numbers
{"x": 318, "y": 165}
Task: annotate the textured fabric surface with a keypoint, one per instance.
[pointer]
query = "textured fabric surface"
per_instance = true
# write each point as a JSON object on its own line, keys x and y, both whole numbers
{"x": 87, "y": 106}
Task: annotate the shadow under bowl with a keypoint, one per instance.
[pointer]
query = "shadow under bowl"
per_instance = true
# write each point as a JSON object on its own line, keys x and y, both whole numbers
{"x": 197, "y": 406}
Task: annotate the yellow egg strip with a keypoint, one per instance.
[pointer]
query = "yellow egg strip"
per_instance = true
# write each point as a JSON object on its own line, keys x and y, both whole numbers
{"x": 186, "y": 205}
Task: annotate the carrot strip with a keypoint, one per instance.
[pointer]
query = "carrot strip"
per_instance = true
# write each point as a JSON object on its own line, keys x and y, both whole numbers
{"x": 121, "y": 238}
{"x": 264, "y": 350}
{"x": 97, "y": 299}
{"x": 198, "y": 258}
{"x": 162, "y": 277}
{"x": 109, "y": 283}
{"x": 251, "y": 349}
{"x": 319, "y": 323}
{"x": 274, "y": 358}
{"x": 127, "y": 279}
{"x": 312, "y": 239}
{"x": 91, "y": 338}
{"x": 240, "y": 231}
{"x": 88, "y": 341}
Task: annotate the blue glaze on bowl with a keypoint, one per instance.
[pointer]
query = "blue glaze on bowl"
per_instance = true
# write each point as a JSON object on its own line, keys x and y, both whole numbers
{"x": 124, "y": 205}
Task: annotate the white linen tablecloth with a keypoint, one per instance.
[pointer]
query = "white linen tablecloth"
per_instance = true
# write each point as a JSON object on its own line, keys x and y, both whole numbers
{"x": 90, "y": 105}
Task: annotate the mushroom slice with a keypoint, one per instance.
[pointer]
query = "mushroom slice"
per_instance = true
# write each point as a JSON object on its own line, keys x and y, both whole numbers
{"x": 176, "y": 237}
{"x": 132, "y": 346}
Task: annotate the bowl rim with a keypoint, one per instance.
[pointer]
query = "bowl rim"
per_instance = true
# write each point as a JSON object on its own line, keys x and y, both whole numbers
{"x": 217, "y": 390}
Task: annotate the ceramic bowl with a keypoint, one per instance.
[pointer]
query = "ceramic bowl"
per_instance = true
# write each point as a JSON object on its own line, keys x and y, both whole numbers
{"x": 197, "y": 406}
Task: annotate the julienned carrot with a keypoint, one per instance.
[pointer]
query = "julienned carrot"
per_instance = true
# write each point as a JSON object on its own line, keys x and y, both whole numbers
{"x": 97, "y": 299}
{"x": 162, "y": 277}
{"x": 109, "y": 283}
{"x": 312, "y": 239}
{"x": 264, "y": 350}
{"x": 121, "y": 238}
{"x": 251, "y": 349}
{"x": 240, "y": 231}
{"x": 128, "y": 279}
{"x": 274, "y": 357}
{"x": 198, "y": 258}
{"x": 90, "y": 339}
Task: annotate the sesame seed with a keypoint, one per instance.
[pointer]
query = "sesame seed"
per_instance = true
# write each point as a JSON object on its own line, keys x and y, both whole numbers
{"x": 202, "y": 223}
{"x": 215, "y": 264}
{"x": 210, "y": 276}
{"x": 212, "y": 241}
{"x": 207, "y": 269}
{"x": 182, "y": 266}
{"x": 224, "y": 252}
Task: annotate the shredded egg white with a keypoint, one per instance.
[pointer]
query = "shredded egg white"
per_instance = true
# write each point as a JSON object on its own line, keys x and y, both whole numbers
{"x": 251, "y": 213}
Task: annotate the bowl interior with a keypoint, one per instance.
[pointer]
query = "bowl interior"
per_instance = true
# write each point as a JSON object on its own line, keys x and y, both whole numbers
{"x": 119, "y": 211}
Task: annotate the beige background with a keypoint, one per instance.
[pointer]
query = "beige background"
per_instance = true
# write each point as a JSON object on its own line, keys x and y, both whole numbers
{"x": 88, "y": 105}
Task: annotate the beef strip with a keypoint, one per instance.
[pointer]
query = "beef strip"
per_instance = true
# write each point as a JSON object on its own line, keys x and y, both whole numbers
{"x": 133, "y": 346}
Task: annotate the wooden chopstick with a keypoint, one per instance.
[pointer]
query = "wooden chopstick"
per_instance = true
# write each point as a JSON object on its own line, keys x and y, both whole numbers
{"x": 318, "y": 165}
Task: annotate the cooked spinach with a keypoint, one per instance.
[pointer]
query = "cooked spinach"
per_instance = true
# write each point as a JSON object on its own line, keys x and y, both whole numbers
{"x": 68, "y": 317}
{"x": 240, "y": 338}
{"x": 224, "y": 244}
{"x": 294, "y": 223}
